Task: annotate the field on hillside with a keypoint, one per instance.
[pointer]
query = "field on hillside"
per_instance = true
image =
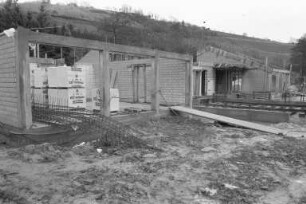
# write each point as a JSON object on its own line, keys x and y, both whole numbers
{"x": 191, "y": 162}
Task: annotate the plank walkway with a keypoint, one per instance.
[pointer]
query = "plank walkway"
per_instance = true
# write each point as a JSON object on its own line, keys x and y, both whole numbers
{"x": 231, "y": 121}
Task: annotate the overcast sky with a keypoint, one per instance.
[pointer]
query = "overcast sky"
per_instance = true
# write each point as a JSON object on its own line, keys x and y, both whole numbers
{"x": 279, "y": 20}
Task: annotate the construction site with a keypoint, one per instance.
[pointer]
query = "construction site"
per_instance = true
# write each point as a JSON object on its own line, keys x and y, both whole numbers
{"x": 124, "y": 124}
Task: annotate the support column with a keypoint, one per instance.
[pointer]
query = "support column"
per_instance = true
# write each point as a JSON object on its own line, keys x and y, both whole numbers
{"x": 145, "y": 82}
{"x": 105, "y": 85}
{"x": 137, "y": 84}
{"x": 133, "y": 83}
{"x": 266, "y": 82}
{"x": 155, "y": 96}
{"x": 189, "y": 84}
{"x": 23, "y": 78}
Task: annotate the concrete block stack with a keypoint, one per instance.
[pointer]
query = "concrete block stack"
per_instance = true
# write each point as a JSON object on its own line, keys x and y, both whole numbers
{"x": 67, "y": 86}
{"x": 39, "y": 83}
{"x": 74, "y": 87}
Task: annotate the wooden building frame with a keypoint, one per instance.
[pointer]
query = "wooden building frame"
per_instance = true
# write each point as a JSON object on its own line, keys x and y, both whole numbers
{"x": 25, "y": 36}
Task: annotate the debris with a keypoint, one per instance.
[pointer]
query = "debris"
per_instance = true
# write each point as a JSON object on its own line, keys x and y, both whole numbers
{"x": 99, "y": 150}
{"x": 75, "y": 127}
{"x": 226, "y": 185}
{"x": 9, "y": 32}
{"x": 208, "y": 191}
{"x": 79, "y": 145}
{"x": 208, "y": 149}
{"x": 149, "y": 156}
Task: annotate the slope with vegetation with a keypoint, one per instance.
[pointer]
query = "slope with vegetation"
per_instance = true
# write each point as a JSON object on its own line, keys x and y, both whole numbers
{"x": 130, "y": 27}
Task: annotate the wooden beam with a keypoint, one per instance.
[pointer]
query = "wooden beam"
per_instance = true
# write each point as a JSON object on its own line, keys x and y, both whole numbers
{"x": 105, "y": 85}
{"x": 42, "y": 60}
{"x": 23, "y": 78}
{"x": 64, "y": 41}
{"x": 130, "y": 63}
{"x": 155, "y": 97}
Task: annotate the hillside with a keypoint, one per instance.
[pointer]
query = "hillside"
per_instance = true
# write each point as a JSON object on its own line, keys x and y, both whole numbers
{"x": 145, "y": 31}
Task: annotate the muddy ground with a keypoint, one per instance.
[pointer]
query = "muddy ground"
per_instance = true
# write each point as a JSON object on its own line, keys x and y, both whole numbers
{"x": 193, "y": 162}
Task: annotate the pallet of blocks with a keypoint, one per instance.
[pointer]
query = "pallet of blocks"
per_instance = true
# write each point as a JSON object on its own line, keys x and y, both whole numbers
{"x": 72, "y": 97}
{"x": 67, "y": 86}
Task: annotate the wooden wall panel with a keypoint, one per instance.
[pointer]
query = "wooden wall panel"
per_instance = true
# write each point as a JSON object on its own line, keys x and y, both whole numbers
{"x": 172, "y": 81}
{"x": 8, "y": 82}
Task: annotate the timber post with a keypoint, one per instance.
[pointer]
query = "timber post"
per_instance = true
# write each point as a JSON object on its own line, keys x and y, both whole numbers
{"x": 155, "y": 95}
{"x": 105, "y": 85}
{"x": 23, "y": 78}
{"x": 189, "y": 83}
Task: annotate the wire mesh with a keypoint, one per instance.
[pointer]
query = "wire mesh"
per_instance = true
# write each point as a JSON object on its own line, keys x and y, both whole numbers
{"x": 84, "y": 125}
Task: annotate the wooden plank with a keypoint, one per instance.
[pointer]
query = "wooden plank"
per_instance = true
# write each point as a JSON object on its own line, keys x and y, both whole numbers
{"x": 8, "y": 65}
{"x": 8, "y": 104}
{"x": 6, "y": 40}
{"x": 155, "y": 95}
{"x": 129, "y": 63}
{"x": 7, "y": 109}
{"x": 7, "y": 80}
{"x": 7, "y": 45}
{"x": 8, "y": 90}
{"x": 42, "y": 60}
{"x": 114, "y": 77}
{"x": 7, "y": 85}
{"x": 7, "y": 95}
{"x": 231, "y": 121}
{"x": 4, "y": 51}
{"x": 8, "y": 75}
{"x": 23, "y": 81}
{"x": 64, "y": 41}
{"x": 7, "y": 71}
{"x": 7, "y": 55}
{"x": 9, "y": 99}
{"x": 8, "y": 60}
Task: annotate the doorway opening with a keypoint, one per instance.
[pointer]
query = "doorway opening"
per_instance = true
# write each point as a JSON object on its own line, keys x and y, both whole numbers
{"x": 139, "y": 84}
{"x": 200, "y": 83}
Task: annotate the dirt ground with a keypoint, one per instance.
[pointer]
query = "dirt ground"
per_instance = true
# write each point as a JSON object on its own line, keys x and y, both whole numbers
{"x": 193, "y": 162}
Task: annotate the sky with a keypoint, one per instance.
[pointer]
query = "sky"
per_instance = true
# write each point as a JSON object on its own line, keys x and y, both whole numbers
{"x": 280, "y": 20}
